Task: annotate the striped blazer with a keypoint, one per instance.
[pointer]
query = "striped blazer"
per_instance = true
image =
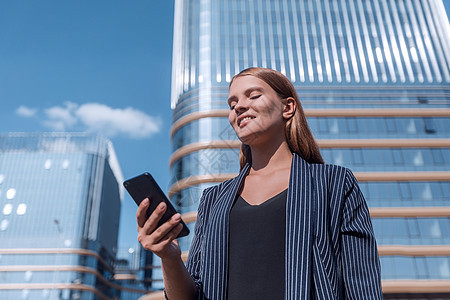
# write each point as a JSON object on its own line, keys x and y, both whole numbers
{"x": 330, "y": 253}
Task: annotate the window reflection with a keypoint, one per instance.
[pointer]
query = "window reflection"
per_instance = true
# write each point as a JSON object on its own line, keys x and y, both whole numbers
{"x": 65, "y": 164}
{"x": 411, "y": 129}
{"x": 413, "y": 231}
{"x": 322, "y": 127}
{"x": 206, "y": 161}
{"x": 334, "y": 127}
{"x": 396, "y": 267}
{"x": 404, "y": 267}
{"x": 48, "y": 164}
{"x": 338, "y": 158}
{"x": 7, "y": 209}
{"x": 385, "y": 159}
{"x": 4, "y": 225}
{"x": 28, "y": 276}
{"x": 418, "y": 159}
{"x": 10, "y": 194}
{"x": 426, "y": 192}
{"x": 444, "y": 269}
{"x": 435, "y": 229}
{"x": 21, "y": 209}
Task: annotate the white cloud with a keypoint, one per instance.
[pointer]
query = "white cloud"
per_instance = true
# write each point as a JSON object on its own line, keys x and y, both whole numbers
{"x": 96, "y": 117}
{"x": 25, "y": 111}
{"x": 113, "y": 121}
{"x": 60, "y": 118}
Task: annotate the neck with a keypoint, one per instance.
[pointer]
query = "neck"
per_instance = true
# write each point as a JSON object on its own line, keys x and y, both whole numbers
{"x": 271, "y": 157}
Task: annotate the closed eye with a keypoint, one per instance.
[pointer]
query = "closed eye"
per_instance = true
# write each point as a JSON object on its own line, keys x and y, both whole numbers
{"x": 255, "y": 96}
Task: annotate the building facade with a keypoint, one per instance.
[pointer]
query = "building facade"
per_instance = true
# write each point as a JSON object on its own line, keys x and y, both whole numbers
{"x": 134, "y": 272}
{"x": 60, "y": 198}
{"x": 374, "y": 80}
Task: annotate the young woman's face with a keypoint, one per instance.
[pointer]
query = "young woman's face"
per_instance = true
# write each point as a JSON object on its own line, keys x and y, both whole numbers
{"x": 256, "y": 111}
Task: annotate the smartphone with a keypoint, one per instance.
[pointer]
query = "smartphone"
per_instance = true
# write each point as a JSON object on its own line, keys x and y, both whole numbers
{"x": 145, "y": 186}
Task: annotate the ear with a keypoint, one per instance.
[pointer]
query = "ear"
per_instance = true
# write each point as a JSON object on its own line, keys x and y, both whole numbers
{"x": 289, "y": 108}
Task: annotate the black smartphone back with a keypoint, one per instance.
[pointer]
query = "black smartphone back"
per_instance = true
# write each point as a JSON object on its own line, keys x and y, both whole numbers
{"x": 145, "y": 186}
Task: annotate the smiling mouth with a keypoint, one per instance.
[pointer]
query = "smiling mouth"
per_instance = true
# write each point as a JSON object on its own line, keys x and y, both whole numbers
{"x": 244, "y": 121}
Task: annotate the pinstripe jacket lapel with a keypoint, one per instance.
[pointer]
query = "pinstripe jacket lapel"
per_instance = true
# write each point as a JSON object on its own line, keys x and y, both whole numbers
{"x": 299, "y": 231}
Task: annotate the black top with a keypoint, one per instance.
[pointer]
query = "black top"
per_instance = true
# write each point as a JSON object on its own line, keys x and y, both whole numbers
{"x": 256, "y": 249}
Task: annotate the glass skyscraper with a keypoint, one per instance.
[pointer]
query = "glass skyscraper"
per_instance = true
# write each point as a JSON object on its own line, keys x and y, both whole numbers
{"x": 374, "y": 79}
{"x": 60, "y": 197}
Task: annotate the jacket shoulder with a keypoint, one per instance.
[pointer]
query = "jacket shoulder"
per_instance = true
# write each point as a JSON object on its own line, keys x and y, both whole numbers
{"x": 212, "y": 192}
{"x": 333, "y": 176}
{"x": 329, "y": 169}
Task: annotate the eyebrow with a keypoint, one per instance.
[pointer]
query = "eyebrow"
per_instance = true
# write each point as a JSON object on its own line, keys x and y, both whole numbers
{"x": 247, "y": 92}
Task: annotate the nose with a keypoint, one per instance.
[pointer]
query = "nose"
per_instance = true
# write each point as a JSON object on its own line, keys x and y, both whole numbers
{"x": 241, "y": 106}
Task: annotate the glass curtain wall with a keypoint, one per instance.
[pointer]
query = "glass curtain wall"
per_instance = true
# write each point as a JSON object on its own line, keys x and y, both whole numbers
{"x": 374, "y": 80}
{"x": 60, "y": 197}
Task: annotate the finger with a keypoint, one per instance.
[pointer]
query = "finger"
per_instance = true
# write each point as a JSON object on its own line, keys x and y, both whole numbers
{"x": 152, "y": 241}
{"x": 152, "y": 222}
{"x": 141, "y": 212}
{"x": 171, "y": 236}
{"x": 165, "y": 228}
{"x": 163, "y": 245}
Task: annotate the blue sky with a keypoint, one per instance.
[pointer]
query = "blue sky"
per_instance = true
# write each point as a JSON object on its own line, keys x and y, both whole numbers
{"x": 99, "y": 66}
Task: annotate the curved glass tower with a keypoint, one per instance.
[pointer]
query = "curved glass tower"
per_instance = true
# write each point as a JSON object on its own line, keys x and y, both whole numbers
{"x": 374, "y": 79}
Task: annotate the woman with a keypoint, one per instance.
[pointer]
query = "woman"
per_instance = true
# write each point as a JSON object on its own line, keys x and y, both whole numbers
{"x": 287, "y": 227}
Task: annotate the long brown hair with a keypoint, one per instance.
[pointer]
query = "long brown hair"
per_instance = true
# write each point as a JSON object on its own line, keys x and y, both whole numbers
{"x": 298, "y": 134}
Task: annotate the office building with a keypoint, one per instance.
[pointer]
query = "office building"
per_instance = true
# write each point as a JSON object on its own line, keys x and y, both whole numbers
{"x": 60, "y": 198}
{"x": 134, "y": 272}
{"x": 374, "y": 79}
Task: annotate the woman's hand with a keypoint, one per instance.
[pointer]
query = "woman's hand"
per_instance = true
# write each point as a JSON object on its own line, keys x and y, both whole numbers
{"x": 160, "y": 240}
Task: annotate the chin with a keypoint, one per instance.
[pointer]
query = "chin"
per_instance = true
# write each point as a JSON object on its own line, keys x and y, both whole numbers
{"x": 249, "y": 139}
